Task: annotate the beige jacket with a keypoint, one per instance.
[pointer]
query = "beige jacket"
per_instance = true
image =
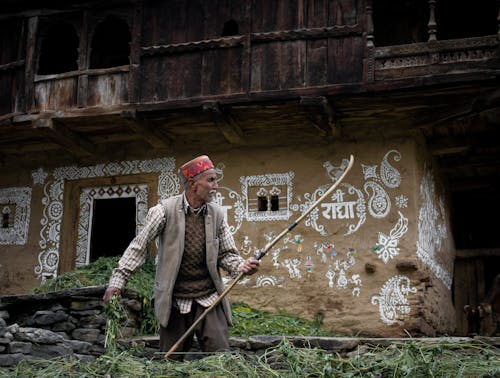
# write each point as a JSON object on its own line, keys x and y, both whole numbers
{"x": 170, "y": 251}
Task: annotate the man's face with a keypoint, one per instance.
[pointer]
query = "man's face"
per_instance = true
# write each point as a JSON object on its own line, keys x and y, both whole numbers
{"x": 204, "y": 186}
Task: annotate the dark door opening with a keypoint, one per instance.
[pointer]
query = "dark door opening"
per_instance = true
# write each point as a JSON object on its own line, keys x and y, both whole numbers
{"x": 477, "y": 262}
{"x": 113, "y": 227}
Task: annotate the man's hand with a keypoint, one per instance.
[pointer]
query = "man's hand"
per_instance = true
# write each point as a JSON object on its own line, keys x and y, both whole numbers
{"x": 250, "y": 266}
{"x": 110, "y": 291}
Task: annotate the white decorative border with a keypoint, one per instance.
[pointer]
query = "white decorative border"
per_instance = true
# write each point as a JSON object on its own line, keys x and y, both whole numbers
{"x": 432, "y": 228}
{"x": 268, "y": 180}
{"x": 48, "y": 257}
{"x": 87, "y": 197}
{"x": 21, "y": 197}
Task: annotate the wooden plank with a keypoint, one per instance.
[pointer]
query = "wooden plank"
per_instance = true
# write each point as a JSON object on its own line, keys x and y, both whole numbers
{"x": 344, "y": 12}
{"x": 316, "y": 64}
{"x": 293, "y": 63}
{"x": 270, "y": 66}
{"x": 29, "y": 68}
{"x": 148, "y": 131}
{"x": 191, "y": 73}
{"x": 477, "y": 253}
{"x": 226, "y": 123}
{"x": 105, "y": 90}
{"x": 234, "y": 58}
{"x": 82, "y": 89}
{"x": 56, "y": 94}
{"x": 317, "y": 13}
{"x": 256, "y": 68}
{"x": 76, "y": 144}
{"x": 345, "y": 60}
{"x": 135, "y": 54}
{"x": 208, "y": 72}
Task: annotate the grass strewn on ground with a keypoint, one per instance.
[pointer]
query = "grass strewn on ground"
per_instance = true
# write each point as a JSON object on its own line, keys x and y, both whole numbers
{"x": 411, "y": 359}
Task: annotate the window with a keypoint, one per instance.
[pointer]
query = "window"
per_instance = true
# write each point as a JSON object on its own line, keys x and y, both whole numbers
{"x": 400, "y": 22}
{"x": 59, "y": 50}
{"x": 5, "y": 217}
{"x": 463, "y": 19}
{"x": 268, "y": 197}
{"x": 110, "y": 44}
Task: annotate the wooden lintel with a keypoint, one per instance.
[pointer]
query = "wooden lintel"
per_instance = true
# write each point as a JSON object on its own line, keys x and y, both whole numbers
{"x": 74, "y": 143}
{"x": 477, "y": 253}
{"x": 320, "y": 113}
{"x": 226, "y": 123}
{"x": 152, "y": 135}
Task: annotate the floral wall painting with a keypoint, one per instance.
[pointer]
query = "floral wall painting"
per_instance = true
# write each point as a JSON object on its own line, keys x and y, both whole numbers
{"x": 393, "y": 299}
{"x": 15, "y": 209}
{"x": 387, "y": 246}
{"x": 351, "y": 205}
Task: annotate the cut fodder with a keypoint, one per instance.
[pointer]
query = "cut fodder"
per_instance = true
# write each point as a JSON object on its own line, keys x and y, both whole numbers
{"x": 409, "y": 359}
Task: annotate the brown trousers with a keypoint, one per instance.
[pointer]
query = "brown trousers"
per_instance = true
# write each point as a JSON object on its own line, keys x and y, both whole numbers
{"x": 211, "y": 332}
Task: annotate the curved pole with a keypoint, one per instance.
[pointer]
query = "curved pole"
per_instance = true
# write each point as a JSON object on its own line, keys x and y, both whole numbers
{"x": 340, "y": 174}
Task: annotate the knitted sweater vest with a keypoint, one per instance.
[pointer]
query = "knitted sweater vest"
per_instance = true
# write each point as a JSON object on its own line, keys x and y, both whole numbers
{"x": 193, "y": 279}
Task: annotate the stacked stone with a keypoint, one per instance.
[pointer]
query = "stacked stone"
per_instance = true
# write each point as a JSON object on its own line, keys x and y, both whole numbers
{"x": 68, "y": 323}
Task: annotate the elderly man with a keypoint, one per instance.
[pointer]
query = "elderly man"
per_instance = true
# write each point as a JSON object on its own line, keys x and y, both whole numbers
{"x": 195, "y": 242}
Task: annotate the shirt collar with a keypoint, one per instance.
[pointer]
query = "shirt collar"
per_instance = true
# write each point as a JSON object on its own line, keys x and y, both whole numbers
{"x": 186, "y": 206}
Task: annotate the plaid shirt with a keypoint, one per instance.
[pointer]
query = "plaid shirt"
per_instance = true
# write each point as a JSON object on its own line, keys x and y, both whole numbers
{"x": 135, "y": 254}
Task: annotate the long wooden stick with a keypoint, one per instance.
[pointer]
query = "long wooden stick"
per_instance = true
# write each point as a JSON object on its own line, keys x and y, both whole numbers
{"x": 341, "y": 173}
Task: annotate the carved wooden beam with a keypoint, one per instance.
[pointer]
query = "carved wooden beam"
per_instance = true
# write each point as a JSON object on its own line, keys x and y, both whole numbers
{"x": 76, "y": 144}
{"x": 320, "y": 113}
{"x": 146, "y": 129}
{"x": 225, "y": 122}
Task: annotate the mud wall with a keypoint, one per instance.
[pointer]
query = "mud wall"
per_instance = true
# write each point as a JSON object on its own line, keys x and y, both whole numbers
{"x": 374, "y": 259}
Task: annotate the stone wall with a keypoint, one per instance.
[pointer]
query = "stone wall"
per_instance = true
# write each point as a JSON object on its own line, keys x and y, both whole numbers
{"x": 70, "y": 322}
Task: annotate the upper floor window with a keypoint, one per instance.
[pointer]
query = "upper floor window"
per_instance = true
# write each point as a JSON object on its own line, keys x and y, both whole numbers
{"x": 400, "y": 22}
{"x": 59, "y": 49}
{"x": 464, "y": 19}
{"x": 110, "y": 44}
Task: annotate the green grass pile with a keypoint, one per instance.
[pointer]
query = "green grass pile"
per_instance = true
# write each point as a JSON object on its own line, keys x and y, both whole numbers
{"x": 412, "y": 359}
{"x": 247, "y": 321}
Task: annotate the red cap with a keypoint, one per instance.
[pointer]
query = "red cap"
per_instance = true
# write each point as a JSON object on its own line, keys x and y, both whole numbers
{"x": 195, "y": 167}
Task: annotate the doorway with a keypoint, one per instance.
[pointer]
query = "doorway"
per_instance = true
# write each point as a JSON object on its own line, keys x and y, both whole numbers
{"x": 113, "y": 226}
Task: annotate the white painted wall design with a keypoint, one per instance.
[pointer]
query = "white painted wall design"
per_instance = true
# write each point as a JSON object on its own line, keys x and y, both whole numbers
{"x": 15, "y": 208}
{"x": 52, "y": 201}
{"x": 392, "y": 301}
{"x": 387, "y": 246}
{"x": 87, "y": 197}
{"x": 432, "y": 227}
{"x": 279, "y": 183}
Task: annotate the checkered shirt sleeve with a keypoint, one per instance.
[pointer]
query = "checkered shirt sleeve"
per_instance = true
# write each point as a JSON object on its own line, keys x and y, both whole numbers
{"x": 229, "y": 257}
{"x": 135, "y": 254}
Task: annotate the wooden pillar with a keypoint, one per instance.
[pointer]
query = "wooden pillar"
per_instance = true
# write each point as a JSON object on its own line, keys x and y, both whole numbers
{"x": 498, "y": 21}
{"x": 83, "y": 59}
{"x": 369, "y": 56}
{"x": 432, "y": 26}
{"x": 246, "y": 65}
{"x": 135, "y": 54}
{"x": 30, "y": 66}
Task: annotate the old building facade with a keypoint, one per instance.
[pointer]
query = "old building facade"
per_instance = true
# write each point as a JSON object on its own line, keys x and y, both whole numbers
{"x": 102, "y": 101}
